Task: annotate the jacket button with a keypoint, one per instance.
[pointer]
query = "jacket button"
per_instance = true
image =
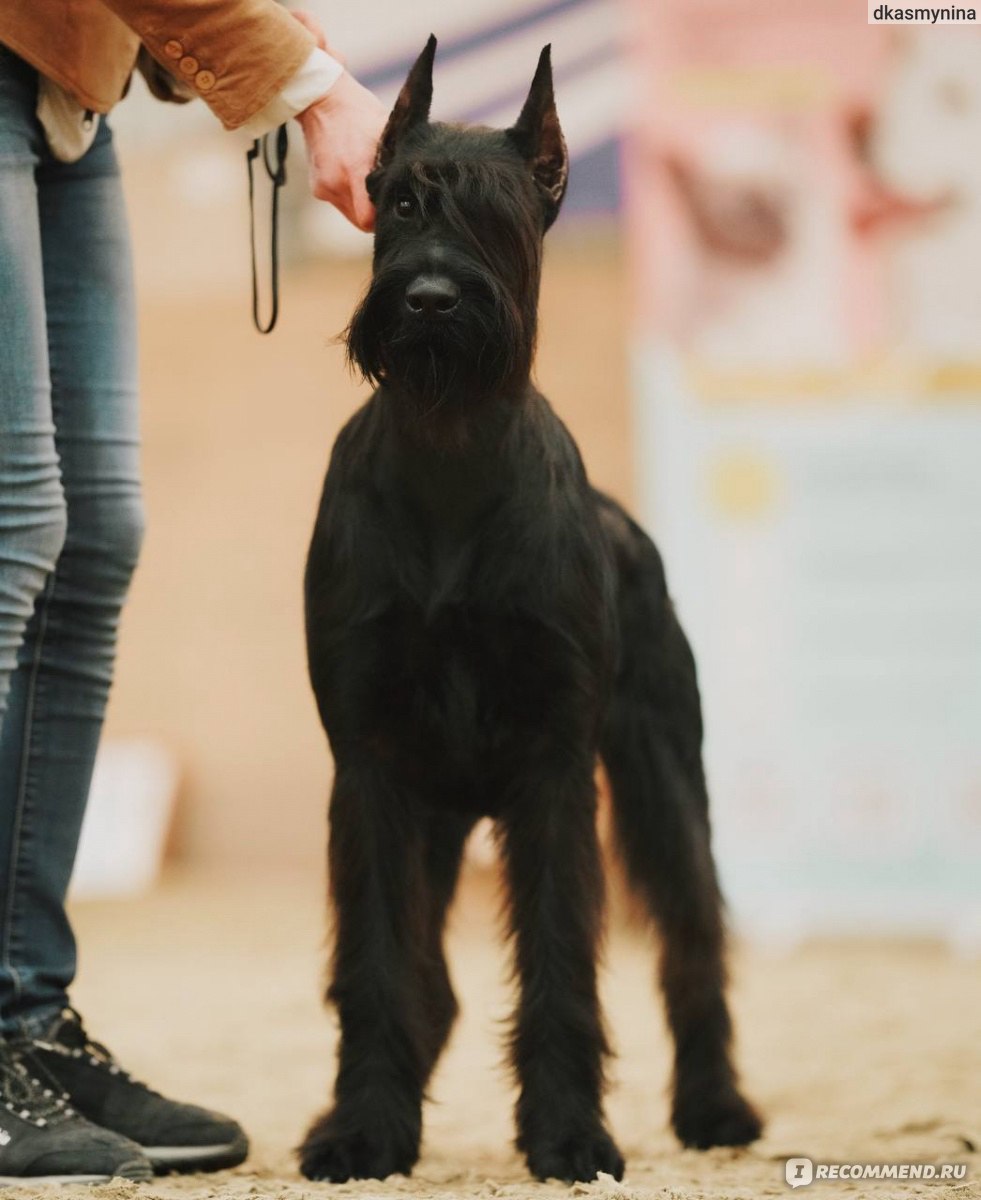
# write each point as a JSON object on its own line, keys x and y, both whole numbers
{"x": 205, "y": 81}
{"x": 188, "y": 65}
{"x": 173, "y": 49}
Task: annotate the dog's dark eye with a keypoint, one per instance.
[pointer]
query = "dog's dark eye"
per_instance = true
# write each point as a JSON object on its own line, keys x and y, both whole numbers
{"x": 405, "y": 206}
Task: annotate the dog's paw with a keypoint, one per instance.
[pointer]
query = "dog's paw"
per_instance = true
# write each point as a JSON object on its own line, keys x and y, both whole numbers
{"x": 724, "y": 1118}
{"x": 575, "y": 1158}
{"x": 336, "y": 1150}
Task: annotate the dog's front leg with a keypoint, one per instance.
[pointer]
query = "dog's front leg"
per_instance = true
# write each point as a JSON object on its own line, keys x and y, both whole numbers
{"x": 375, "y": 857}
{"x": 558, "y": 1043}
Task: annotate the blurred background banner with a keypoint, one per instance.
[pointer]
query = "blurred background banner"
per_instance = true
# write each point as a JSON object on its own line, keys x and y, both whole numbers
{"x": 805, "y": 230}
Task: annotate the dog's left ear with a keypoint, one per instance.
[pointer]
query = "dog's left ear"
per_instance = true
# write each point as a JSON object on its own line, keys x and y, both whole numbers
{"x": 411, "y": 108}
{"x": 538, "y": 136}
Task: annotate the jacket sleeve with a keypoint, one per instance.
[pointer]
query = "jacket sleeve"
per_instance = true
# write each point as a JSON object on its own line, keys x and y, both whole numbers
{"x": 236, "y": 54}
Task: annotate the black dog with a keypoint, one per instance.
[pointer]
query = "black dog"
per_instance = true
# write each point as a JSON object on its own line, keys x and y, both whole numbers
{"x": 482, "y": 625}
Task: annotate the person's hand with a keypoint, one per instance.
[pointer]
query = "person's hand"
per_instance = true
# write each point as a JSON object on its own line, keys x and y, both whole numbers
{"x": 341, "y": 133}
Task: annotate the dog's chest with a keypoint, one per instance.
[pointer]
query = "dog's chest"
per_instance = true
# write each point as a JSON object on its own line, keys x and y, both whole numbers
{"x": 444, "y": 574}
{"x": 465, "y": 686}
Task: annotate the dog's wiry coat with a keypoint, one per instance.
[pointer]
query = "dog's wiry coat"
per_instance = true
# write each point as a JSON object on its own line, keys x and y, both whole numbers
{"x": 482, "y": 625}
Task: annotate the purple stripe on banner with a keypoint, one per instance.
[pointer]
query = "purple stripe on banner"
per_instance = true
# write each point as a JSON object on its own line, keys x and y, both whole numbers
{"x": 592, "y": 58}
{"x": 595, "y": 182}
{"x": 393, "y": 71}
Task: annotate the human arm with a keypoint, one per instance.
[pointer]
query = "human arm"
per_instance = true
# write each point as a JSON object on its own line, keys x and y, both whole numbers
{"x": 256, "y": 65}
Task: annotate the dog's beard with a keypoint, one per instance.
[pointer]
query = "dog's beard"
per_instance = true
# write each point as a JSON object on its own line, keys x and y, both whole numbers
{"x": 451, "y": 363}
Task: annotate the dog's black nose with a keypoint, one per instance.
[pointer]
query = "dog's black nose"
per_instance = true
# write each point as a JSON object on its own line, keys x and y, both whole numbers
{"x": 430, "y": 295}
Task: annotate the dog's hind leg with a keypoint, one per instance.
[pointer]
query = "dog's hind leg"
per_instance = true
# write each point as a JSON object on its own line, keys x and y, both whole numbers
{"x": 651, "y": 748}
{"x": 377, "y": 879}
{"x": 558, "y": 1044}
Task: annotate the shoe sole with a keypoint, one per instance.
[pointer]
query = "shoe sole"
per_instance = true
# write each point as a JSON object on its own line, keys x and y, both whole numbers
{"x": 165, "y": 1159}
{"x": 136, "y": 1171}
{"x": 52, "y": 1180}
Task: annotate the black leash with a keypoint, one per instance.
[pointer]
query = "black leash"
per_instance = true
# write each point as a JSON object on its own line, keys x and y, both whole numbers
{"x": 276, "y": 170}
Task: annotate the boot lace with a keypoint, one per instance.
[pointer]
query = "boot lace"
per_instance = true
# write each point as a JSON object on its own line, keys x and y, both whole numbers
{"x": 28, "y": 1091}
{"x": 71, "y": 1038}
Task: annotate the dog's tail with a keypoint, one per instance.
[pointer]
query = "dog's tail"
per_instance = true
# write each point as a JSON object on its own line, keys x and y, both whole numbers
{"x": 651, "y": 748}
{"x": 652, "y": 741}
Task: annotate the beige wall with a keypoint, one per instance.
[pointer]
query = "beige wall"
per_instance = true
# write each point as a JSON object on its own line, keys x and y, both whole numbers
{"x": 237, "y": 431}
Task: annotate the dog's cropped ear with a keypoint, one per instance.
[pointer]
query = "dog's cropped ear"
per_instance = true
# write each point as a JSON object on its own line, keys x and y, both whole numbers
{"x": 538, "y": 136}
{"x": 411, "y": 108}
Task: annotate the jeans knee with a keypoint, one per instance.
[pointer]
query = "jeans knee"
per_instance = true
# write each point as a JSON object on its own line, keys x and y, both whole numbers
{"x": 130, "y": 529}
{"x": 50, "y": 536}
{"x": 103, "y": 546}
{"x": 124, "y": 531}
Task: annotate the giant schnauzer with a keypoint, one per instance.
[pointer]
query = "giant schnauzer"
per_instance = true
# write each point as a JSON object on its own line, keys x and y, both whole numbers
{"x": 482, "y": 627}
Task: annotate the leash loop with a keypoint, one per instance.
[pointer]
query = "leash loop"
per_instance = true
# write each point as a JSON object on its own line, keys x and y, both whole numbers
{"x": 271, "y": 148}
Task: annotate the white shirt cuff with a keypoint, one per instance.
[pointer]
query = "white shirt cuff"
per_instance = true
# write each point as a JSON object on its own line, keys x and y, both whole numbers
{"x": 311, "y": 83}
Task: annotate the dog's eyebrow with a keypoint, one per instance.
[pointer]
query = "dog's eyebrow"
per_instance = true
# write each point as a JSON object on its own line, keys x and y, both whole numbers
{"x": 434, "y": 173}
{"x": 476, "y": 183}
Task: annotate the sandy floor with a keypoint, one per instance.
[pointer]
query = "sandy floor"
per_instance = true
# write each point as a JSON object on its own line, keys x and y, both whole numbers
{"x": 860, "y": 1052}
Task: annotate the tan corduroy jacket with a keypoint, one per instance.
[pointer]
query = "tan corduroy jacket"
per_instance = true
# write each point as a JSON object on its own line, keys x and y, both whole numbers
{"x": 236, "y": 54}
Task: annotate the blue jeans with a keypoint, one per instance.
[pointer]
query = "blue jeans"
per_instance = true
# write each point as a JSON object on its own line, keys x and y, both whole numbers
{"x": 71, "y": 521}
